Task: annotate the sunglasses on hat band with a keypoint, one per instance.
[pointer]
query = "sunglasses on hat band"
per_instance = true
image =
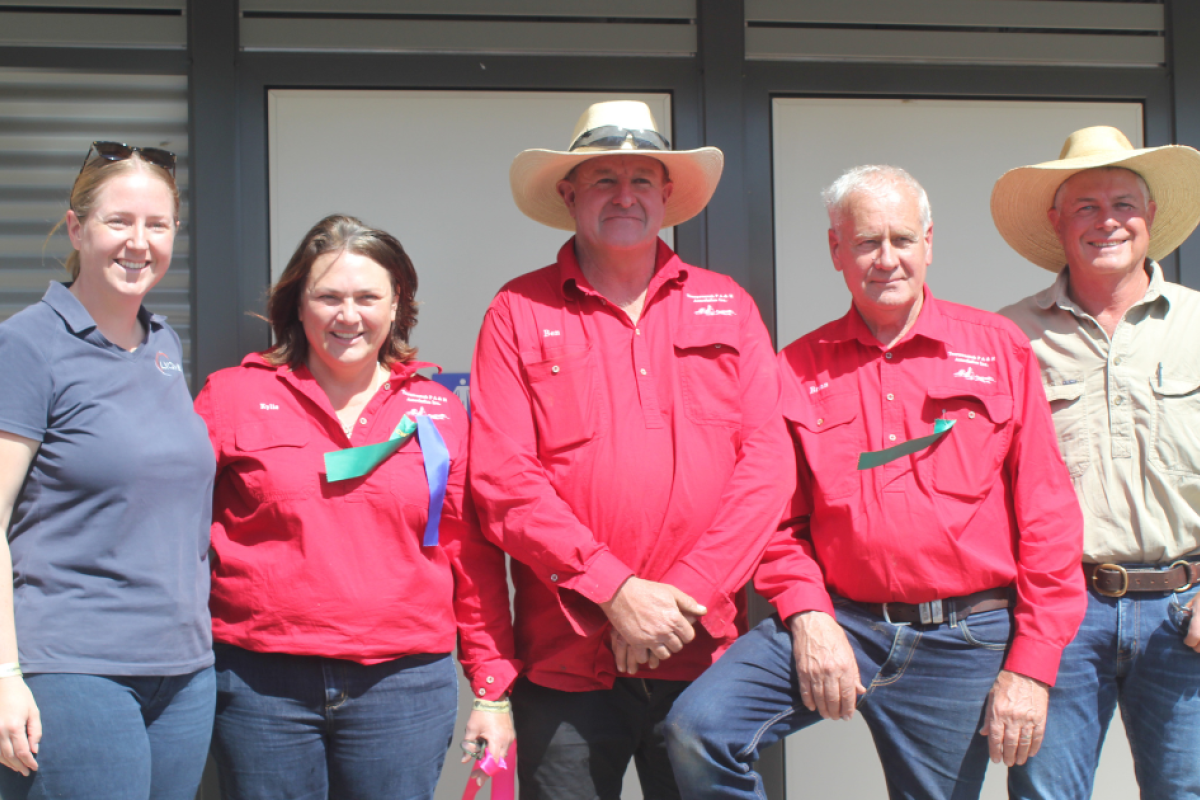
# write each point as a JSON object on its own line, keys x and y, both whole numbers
{"x": 619, "y": 138}
{"x": 119, "y": 151}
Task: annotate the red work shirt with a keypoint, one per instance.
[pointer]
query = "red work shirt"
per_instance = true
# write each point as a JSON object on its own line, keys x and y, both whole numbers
{"x": 602, "y": 449}
{"x": 337, "y": 570}
{"x": 988, "y": 505}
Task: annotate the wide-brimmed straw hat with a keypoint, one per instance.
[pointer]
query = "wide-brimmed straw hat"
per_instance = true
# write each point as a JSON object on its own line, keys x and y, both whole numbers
{"x": 619, "y": 127}
{"x": 1022, "y": 196}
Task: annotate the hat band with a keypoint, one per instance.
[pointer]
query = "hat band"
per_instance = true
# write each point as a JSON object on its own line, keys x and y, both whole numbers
{"x": 615, "y": 137}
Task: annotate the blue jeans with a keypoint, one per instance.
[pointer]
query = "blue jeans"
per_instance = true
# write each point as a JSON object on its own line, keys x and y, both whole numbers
{"x": 309, "y": 728}
{"x": 1130, "y": 651}
{"x": 926, "y": 690}
{"x": 118, "y": 738}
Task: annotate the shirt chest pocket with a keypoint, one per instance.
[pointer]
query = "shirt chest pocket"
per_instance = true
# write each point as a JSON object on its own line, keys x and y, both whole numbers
{"x": 1175, "y": 446}
{"x": 565, "y": 399}
{"x": 966, "y": 461}
{"x": 710, "y": 371}
{"x": 273, "y": 463}
{"x": 1068, "y": 406}
{"x": 831, "y": 443}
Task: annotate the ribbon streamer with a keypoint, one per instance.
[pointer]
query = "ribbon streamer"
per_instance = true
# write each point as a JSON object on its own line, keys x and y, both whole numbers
{"x": 355, "y": 462}
{"x": 501, "y": 771}
{"x": 877, "y": 458}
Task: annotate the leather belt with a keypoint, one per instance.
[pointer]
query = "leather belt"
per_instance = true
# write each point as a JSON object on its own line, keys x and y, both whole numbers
{"x": 1114, "y": 580}
{"x": 935, "y": 612}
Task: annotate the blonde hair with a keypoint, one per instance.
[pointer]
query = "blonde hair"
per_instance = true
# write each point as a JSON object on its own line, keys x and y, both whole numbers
{"x": 92, "y": 178}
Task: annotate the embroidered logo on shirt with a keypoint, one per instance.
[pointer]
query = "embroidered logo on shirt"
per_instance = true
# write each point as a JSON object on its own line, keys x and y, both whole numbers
{"x": 432, "y": 399}
{"x": 709, "y": 311}
{"x": 421, "y": 412}
{"x": 815, "y": 389}
{"x": 166, "y": 366}
{"x": 548, "y": 332}
{"x": 268, "y": 407}
{"x": 710, "y": 298}
{"x": 978, "y": 361}
{"x": 970, "y": 375}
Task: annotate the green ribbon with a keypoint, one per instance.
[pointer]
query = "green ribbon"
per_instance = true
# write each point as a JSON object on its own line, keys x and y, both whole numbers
{"x": 354, "y": 462}
{"x": 878, "y": 458}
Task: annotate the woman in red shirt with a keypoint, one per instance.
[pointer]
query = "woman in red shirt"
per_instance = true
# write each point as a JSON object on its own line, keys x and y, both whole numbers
{"x": 337, "y": 596}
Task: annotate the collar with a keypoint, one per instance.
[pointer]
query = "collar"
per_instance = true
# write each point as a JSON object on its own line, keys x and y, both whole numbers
{"x": 931, "y": 324}
{"x": 401, "y": 372}
{"x": 58, "y": 296}
{"x": 1057, "y": 293}
{"x": 667, "y": 267}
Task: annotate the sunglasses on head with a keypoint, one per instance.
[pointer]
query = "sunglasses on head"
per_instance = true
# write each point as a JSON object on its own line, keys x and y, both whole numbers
{"x": 119, "y": 151}
{"x": 615, "y": 136}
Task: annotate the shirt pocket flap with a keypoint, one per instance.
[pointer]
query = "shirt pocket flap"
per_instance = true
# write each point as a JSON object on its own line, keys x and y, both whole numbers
{"x": 820, "y": 418}
{"x": 261, "y": 436}
{"x": 1176, "y": 386}
{"x": 566, "y": 362}
{"x": 1065, "y": 391}
{"x": 713, "y": 334}
{"x": 997, "y": 406}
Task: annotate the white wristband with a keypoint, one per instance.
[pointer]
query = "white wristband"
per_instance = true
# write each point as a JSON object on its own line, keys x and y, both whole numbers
{"x": 10, "y": 670}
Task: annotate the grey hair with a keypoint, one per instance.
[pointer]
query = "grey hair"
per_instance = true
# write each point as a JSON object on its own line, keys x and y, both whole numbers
{"x": 875, "y": 180}
{"x": 1147, "y": 198}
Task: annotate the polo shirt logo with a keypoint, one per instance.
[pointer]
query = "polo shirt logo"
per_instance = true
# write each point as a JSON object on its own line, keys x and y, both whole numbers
{"x": 166, "y": 366}
{"x": 710, "y": 298}
{"x": 709, "y": 311}
{"x": 971, "y": 375}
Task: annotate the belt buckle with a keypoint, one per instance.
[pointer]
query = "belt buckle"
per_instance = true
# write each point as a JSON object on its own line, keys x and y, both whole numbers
{"x": 1187, "y": 570}
{"x": 1118, "y": 568}
{"x": 888, "y": 619}
{"x": 931, "y": 613}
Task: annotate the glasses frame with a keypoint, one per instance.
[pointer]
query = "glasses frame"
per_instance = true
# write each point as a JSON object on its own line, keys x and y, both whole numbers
{"x": 119, "y": 151}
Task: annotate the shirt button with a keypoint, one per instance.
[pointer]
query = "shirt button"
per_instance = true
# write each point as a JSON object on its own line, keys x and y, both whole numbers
{"x": 554, "y": 369}
{"x": 490, "y": 679}
{"x": 482, "y": 692}
{"x": 1117, "y": 361}
{"x": 1117, "y": 400}
{"x": 891, "y": 396}
{"x": 643, "y": 371}
{"x": 971, "y": 415}
{"x": 554, "y": 579}
{"x": 638, "y": 331}
{"x": 887, "y": 356}
{"x": 387, "y": 386}
{"x": 717, "y": 346}
{"x": 892, "y": 437}
{"x": 362, "y": 421}
{"x": 821, "y": 421}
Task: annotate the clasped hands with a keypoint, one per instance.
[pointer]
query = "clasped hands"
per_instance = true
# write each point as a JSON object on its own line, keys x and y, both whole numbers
{"x": 650, "y": 622}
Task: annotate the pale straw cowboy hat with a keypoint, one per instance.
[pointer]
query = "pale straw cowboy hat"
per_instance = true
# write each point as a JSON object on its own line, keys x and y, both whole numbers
{"x": 620, "y": 127}
{"x": 1022, "y": 196}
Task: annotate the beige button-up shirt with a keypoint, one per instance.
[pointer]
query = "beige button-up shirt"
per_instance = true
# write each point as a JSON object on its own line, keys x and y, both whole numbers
{"x": 1127, "y": 412}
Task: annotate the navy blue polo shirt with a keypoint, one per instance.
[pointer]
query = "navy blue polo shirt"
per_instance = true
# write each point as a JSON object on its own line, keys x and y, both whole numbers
{"x": 109, "y": 535}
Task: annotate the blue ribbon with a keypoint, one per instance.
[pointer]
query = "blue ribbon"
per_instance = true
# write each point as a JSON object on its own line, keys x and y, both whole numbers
{"x": 437, "y": 474}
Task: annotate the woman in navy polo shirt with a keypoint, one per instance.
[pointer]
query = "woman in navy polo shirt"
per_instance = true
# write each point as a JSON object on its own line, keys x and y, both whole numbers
{"x": 349, "y": 562}
{"x": 105, "y": 485}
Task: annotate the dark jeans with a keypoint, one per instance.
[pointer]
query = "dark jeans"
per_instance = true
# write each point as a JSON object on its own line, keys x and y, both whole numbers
{"x": 309, "y": 728}
{"x": 577, "y": 745}
{"x": 118, "y": 738}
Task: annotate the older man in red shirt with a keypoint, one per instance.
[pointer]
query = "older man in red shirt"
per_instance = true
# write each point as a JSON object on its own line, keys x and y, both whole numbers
{"x": 927, "y": 575}
{"x": 626, "y": 452}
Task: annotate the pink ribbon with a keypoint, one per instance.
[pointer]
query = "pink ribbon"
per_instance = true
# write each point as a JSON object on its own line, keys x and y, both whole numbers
{"x": 501, "y": 771}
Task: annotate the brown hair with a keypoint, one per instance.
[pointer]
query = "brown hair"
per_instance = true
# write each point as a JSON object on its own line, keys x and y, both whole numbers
{"x": 92, "y": 178}
{"x": 335, "y": 234}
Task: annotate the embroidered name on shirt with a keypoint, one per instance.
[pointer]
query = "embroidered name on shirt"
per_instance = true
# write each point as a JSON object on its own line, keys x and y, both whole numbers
{"x": 710, "y": 298}
{"x": 546, "y": 332}
{"x": 978, "y": 361}
{"x": 970, "y": 375}
{"x": 709, "y": 311}
{"x": 268, "y": 406}
{"x": 815, "y": 389}
{"x": 166, "y": 366}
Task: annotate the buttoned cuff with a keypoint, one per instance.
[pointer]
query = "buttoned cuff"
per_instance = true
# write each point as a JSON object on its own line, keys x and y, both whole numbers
{"x": 600, "y": 579}
{"x": 721, "y": 609}
{"x": 1034, "y": 658}
{"x": 491, "y": 679}
{"x": 803, "y": 597}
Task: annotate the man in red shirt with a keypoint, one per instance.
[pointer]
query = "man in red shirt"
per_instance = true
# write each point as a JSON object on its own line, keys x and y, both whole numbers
{"x": 625, "y": 450}
{"x": 927, "y": 575}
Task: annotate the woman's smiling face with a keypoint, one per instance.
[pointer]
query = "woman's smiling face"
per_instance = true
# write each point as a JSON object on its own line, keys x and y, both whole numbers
{"x": 347, "y": 311}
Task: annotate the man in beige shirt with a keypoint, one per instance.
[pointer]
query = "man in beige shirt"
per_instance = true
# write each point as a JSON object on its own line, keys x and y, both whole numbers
{"x": 1119, "y": 349}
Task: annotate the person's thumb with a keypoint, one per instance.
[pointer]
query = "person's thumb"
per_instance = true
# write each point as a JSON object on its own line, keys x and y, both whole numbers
{"x": 687, "y": 605}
